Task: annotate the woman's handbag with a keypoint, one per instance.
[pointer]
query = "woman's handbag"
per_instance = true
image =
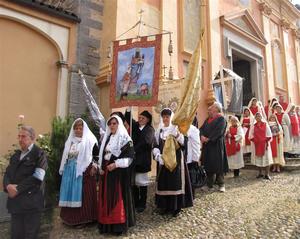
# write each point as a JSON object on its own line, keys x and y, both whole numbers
{"x": 198, "y": 175}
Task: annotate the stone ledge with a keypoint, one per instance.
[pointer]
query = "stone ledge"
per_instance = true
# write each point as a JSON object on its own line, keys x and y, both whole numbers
{"x": 292, "y": 164}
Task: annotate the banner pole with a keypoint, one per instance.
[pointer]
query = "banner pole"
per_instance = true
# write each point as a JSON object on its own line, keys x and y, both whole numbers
{"x": 130, "y": 123}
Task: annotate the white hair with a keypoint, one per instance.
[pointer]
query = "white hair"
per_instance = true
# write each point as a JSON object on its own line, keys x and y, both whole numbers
{"x": 28, "y": 129}
{"x": 218, "y": 106}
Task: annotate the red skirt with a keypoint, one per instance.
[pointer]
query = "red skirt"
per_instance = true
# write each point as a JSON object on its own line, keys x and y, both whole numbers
{"x": 274, "y": 146}
{"x": 107, "y": 215}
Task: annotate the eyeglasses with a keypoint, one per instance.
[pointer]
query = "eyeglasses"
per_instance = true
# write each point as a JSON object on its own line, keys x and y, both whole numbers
{"x": 22, "y": 136}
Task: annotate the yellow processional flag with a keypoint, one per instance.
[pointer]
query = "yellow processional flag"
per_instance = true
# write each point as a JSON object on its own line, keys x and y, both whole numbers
{"x": 186, "y": 111}
{"x": 169, "y": 153}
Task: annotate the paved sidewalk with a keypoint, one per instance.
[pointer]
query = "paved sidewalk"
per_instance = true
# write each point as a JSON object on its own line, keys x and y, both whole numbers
{"x": 250, "y": 208}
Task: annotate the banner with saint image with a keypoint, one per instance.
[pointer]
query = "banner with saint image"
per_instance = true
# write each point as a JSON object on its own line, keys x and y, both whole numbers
{"x": 135, "y": 72}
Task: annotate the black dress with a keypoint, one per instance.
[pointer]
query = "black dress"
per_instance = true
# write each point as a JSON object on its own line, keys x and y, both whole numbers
{"x": 173, "y": 189}
{"x": 115, "y": 208}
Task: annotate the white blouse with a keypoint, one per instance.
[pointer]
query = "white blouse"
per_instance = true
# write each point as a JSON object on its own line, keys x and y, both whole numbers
{"x": 121, "y": 162}
{"x": 74, "y": 149}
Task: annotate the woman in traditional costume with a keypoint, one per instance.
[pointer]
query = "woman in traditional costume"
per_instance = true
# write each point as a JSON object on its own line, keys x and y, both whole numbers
{"x": 173, "y": 187}
{"x": 256, "y": 106}
{"x": 284, "y": 121}
{"x": 261, "y": 156}
{"x": 297, "y": 110}
{"x": 276, "y": 143}
{"x": 78, "y": 195}
{"x": 269, "y": 107}
{"x": 234, "y": 141}
{"x": 294, "y": 130}
{"x": 246, "y": 121}
{"x": 116, "y": 207}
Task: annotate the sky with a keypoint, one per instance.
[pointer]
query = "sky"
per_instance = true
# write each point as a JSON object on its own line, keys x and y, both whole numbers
{"x": 296, "y": 1}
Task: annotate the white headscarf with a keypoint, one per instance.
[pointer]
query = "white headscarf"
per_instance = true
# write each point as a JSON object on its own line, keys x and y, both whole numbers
{"x": 121, "y": 139}
{"x": 85, "y": 149}
{"x": 260, "y": 107}
{"x": 251, "y": 116}
{"x": 171, "y": 129}
{"x": 263, "y": 119}
{"x": 279, "y": 105}
{"x": 238, "y": 123}
{"x": 290, "y": 106}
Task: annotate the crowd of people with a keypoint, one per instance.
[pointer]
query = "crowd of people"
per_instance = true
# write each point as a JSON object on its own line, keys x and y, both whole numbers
{"x": 271, "y": 133}
{"x": 107, "y": 180}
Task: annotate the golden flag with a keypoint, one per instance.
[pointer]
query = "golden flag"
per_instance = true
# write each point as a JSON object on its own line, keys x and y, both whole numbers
{"x": 169, "y": 153}
{"x": 185, "y": 114}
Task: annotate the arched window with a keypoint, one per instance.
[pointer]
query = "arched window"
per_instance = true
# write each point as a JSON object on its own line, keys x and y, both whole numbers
{"x": 277, "y": 65}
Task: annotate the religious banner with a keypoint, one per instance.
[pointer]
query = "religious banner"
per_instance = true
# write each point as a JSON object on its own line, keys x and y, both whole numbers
{"x": 135, "y": 72}
{"x": 168, "y": 97}
{"x": 228, "y": 89}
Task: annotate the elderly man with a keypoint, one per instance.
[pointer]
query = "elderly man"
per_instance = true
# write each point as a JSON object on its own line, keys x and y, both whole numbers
{"x": 213, "y": 146}
{"x": 23, "y": 182}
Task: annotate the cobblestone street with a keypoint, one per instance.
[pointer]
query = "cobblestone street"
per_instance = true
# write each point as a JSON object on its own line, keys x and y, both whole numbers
{"x": 250, "y": 208}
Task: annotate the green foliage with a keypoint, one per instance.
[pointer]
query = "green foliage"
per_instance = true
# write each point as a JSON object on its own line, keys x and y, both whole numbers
{"x": 43, "y": 141}
{"x": 55, "y": 143}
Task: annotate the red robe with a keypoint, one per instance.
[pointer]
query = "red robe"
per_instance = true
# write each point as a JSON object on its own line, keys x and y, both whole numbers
{"x": 274, "y": 145}
{"x": 246, "y": 124}
{"x": 259, "y": 138}
{"x": 294, "y": 125}
{"x": 232, "y": 147}
{"x": 283, "y": 105}
{"x": 267, "y": 111}
{"x": 213, "y": 118}
{"x": 279, "y": 118}
{"x": 254, "y": 109}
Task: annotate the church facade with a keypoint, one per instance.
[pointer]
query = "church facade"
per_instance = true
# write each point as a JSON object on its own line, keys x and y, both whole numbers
{"x": 258, "y": 40}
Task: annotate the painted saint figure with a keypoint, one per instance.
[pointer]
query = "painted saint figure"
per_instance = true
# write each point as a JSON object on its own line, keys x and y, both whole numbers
{"x": 133, "y": 72}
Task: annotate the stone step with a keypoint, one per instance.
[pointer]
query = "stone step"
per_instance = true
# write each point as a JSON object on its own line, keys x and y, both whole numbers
{"x": 292, "y": 164}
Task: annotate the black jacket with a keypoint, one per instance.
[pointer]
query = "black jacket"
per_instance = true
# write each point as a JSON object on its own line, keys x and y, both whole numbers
{"x": 30, "y": 189}
{"x": 213, "y": 155}
{"x": 143, "y": 141}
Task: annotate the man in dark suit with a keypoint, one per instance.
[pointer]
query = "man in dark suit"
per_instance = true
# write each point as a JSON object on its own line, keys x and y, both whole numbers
{"x": 23, "y": 181}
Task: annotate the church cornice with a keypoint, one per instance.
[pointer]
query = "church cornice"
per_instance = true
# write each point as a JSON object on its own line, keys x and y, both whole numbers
{"x": 265, "y": 9}
{"x": 104, "y": 75}
{"x": 285, "y": 24}
{"x": 282, "y": 9}
{"x": 296, "y": 33}
{"x": 226, "y": 21}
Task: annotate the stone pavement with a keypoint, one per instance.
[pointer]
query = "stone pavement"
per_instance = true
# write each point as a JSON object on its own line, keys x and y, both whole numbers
{"x": 250, "y": 208}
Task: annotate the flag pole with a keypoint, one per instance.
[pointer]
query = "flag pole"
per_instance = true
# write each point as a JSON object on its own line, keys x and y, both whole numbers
{"x": 130, "y": 123}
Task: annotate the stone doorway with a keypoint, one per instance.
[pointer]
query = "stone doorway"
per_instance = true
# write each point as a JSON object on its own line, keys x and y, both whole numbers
{"x": 247, "y": 67}
{"x": 243, "y": 69}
